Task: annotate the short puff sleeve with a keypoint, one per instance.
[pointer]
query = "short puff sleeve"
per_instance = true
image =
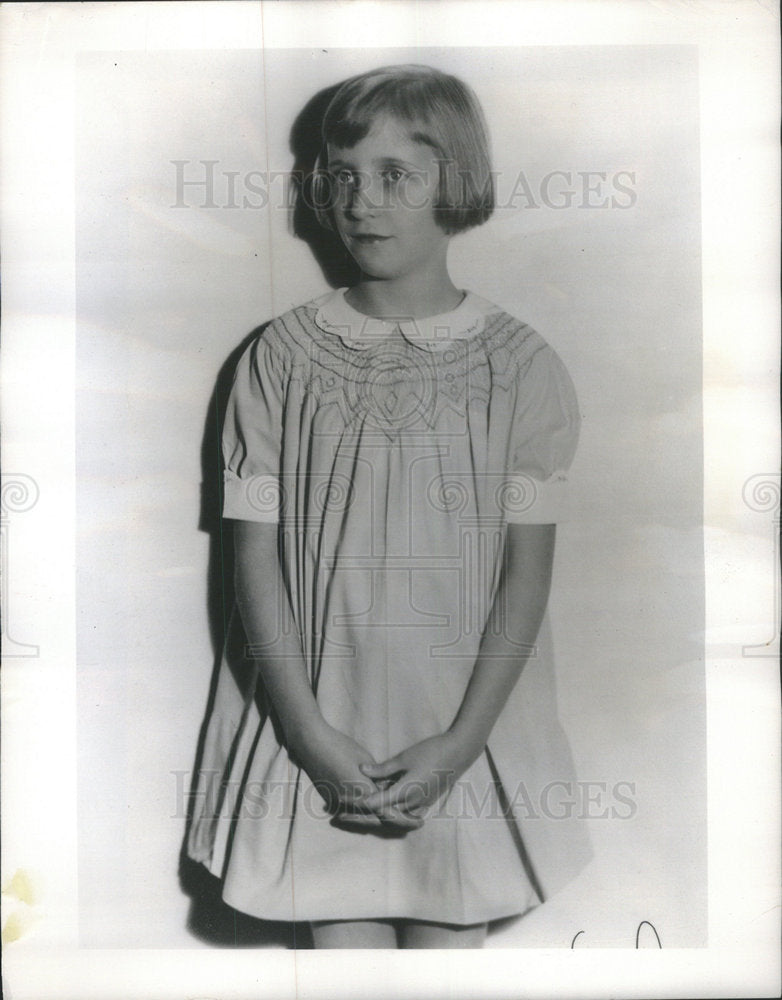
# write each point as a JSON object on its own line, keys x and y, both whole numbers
{"x": 544, "y": 434}
{"x": 252, "y": 435}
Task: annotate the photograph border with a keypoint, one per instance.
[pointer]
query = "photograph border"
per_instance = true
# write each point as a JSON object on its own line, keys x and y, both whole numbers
{"x": 738, "y": 51}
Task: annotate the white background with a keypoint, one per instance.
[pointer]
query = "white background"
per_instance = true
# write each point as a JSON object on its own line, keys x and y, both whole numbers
{"x": 164, "y": 296}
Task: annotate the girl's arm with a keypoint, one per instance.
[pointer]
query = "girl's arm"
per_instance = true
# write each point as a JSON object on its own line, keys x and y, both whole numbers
{"x": 429, "y": 768}
{"x": 330, "y": 758}
{"x": 265, "y": 611}
{"x": 511, "y": 631}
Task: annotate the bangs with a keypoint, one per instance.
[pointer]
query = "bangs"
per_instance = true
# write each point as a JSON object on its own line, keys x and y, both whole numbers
{"x": 351, "y": 119}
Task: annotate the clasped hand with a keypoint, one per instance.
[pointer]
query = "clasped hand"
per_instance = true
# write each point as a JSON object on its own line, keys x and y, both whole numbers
{"x": 393, "y": 793}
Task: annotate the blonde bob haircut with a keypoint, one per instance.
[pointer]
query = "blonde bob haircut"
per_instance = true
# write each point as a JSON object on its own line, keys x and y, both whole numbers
{"x": 441, "y": 112}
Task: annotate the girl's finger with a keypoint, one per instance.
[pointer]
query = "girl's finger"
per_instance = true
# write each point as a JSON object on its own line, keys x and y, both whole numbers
{"x": 356, "y": 819}
{"x": 404, "y": 795}
{"x": 384, "y": 769}
{"x": 359, "y": 813}
{"x": 353, "y": 793}
{"x": 399, "y": 819}
{"x": 387, "y": 818}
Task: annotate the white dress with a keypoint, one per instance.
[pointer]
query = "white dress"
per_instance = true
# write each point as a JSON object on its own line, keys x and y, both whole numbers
{"x": 392, "y": 455}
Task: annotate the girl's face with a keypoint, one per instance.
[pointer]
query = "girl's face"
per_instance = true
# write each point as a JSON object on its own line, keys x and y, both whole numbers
{"x": 385, "y": 193}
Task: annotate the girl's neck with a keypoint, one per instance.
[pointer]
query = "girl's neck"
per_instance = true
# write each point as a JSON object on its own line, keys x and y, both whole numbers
{"x": 408, "y": 296}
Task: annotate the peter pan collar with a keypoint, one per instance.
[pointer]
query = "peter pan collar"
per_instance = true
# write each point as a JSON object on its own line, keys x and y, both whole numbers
{"x": 335, "y": 315}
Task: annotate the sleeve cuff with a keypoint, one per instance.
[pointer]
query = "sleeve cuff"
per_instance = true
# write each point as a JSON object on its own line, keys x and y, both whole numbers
{"x": 527, "y": 500}
{"x": 253, "y": 499}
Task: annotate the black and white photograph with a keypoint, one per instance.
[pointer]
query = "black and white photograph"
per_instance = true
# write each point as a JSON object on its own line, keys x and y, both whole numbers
{"x": 421, "y": 527}
{"x": 381, "y": 467}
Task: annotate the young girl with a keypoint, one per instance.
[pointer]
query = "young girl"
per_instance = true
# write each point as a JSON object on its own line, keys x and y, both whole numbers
{"x": 389, "y": 766}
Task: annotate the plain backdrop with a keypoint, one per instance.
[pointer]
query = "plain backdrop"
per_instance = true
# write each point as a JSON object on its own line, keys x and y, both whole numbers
{"x": 166, "y": 291}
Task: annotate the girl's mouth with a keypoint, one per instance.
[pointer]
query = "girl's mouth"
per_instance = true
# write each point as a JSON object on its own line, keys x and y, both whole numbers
{"x": 368, "y": 239}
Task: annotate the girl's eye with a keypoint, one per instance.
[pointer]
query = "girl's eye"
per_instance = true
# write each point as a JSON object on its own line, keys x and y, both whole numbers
{"x": 394, "y": 175}
{"x": 344, "y": 177}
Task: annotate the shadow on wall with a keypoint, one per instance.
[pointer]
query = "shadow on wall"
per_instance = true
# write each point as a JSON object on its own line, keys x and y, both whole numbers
{"x": 338, "y": 267}
{"x": 210, "y": 919}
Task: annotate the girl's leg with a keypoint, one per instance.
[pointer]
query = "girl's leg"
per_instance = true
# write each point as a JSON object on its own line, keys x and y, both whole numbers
{"x": 422, "y": 934}
{"x": 353, "y": 934}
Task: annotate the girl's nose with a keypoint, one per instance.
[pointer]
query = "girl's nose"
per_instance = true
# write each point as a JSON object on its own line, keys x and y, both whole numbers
{"x": 362, "y": 200}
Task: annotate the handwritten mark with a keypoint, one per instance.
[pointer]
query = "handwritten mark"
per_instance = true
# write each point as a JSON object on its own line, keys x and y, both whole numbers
{"x": 643, "y": 923}
{"x": 654, "y": 931}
